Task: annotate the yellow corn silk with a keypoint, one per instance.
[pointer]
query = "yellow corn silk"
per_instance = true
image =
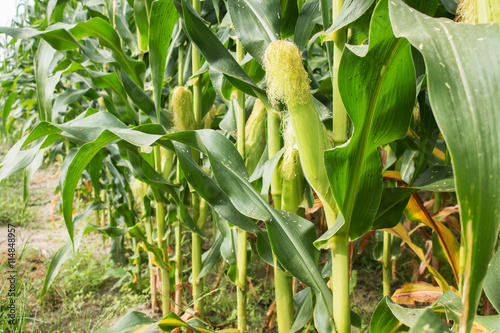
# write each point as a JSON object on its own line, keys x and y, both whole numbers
{"x": 479, "y": 11}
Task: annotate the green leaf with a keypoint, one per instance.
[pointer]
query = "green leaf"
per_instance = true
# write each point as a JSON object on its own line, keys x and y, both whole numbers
{"x": 29, "y": 172}
{"x": 492, "y": 281}
{"x": 390, "y": 317}
{"x": 125, "y": 33}
{"x": 188, "y": 222}
{"x": 108, "y": 81}
{"x": 20, "y": 33}
{"x": 75, "y": 169}
{"x": 304, "y": 305}
{"x": 291, "y": 236}
{"x": 228, "y": 247}
{"x": 211, "y": 257}
{"x": 424, "y": 6}
{"x": 450, "y": 5}
{"x": 452, "y": 304}
{"x": 139, "y": 97}
{"x": 137, "y": 322}
{"x": 378, "y": 92}
{"x": 256, "y": 23}
{"x": 289, "y": 14}
{"x": 436, "y": 179}
{"x": 309, "y": 16}
{"x": 131, "y": 323}
{"x": 45, "y": 85}
{"x": 17, "y": 159}
{"x": 109, "y": 130}
{"x": 428, "y": 322}
{"x": 172, "y": 321}
{"x": 266, "y": 171}
{"x": 392, "y": 205}
{"x": 209, "y": 190}
{"x": 464, "y": 91}
{"x": 94, "y": 169}
{"x": 351, "y": 11}
{"x": 429, "y": 134}
{"x": 108, "y": 37}
{"x": 146, "y": 173}
{"x": 56, "y": 35}
{"x": 6, "y": 111}
{"x": 141, "y": 12}
{"x": 164, "y": 16}
{"x": 383, "y": 320}
{"x": 68, "y": 97}
{"x": 217, "y": 55}
{"x": 160, "y": 256}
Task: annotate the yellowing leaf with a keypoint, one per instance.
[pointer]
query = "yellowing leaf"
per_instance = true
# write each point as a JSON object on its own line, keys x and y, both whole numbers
{"x": 417, "y": 291}
{"x": 402, "y": 233}
{"x": 416, "y": 212}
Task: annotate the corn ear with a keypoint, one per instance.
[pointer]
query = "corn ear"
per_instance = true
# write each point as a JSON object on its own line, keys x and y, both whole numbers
{"x": 139, "y": 190}
{"x": 182, "y": 106}
{"x": 255, "y": 135}
{"x": 288, "y": 82}
{"x": 290, "y": 167}
{"x": 291, "y": 172}
{"x": 209, "y": 117}
{"x": 167, "y": 162}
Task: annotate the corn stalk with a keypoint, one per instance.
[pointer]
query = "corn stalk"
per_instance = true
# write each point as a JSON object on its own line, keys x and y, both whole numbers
{"x": 241, "y": 261}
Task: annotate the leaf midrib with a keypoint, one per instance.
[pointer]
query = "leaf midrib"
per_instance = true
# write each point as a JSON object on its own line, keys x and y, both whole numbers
{"x": 356, "y": 171}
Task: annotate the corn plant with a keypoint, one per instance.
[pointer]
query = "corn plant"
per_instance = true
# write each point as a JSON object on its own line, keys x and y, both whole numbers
{"x": 240, "y": 113}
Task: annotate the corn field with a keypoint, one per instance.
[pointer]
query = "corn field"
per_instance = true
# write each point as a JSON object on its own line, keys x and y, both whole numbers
{"x": 215, "y": 134}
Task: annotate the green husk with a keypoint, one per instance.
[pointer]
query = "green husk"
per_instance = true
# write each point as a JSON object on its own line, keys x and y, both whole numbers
{"x": 208, "y": 118}
{"x": 255, "y": 135}
{"x": 167, "y": 162}
{"x": 291, "y": 172}
{"x": 274, "y": 145}
{"x": 138, "y": 190}
{"x": 182, "y": 106}
{"x": 290, "y": 167}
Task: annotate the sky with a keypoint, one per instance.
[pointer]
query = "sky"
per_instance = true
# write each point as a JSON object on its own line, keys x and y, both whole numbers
{"x": 7, "y": 11}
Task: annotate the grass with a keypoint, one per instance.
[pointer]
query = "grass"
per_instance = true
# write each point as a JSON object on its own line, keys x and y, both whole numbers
{"x": 222, "y": 309}
{"x": 88, "y": 294}
{"x": 11, "y": 204}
